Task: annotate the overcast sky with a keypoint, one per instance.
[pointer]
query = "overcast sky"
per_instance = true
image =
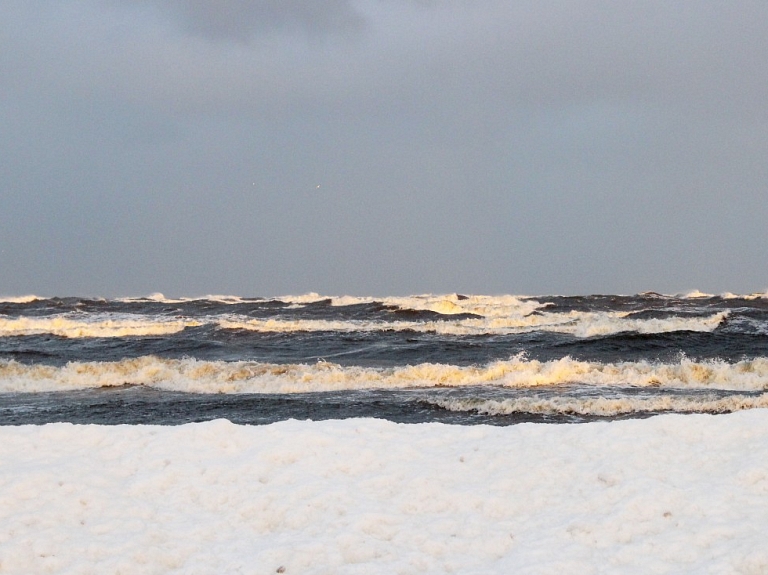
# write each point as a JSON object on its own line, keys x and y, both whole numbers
{"x": 382, "y": 147}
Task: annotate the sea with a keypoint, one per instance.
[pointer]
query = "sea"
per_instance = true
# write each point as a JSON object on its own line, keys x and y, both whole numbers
{"x": 454, "y": 358}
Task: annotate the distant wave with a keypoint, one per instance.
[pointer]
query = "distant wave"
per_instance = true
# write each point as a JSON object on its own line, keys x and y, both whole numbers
{"x": 450, "y": 315}
{"x": 20, "y": 299}
{"x": 579, "y": 324}
{"x": 448, "y": 304}
{"x": 696, "y": 294}
{"x": 417, "y": 301}
{"x": 190, "y": 375}
{"x": 63, "y": 326}
{"x": 160, "y": 298}
{"x": 485, "y": 305}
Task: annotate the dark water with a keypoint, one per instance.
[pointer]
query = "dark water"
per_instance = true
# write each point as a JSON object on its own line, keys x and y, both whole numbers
{"x": 452, "y": 359}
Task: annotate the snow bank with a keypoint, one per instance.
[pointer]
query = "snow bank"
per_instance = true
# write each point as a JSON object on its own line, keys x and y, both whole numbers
{"x": 667, "y": 494}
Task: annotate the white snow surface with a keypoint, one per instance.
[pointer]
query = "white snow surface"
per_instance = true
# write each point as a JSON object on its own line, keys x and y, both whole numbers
{"x": 669, "y": 494}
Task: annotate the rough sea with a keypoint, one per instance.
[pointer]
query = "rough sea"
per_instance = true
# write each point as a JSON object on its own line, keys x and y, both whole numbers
{"x": 460, "y": 359}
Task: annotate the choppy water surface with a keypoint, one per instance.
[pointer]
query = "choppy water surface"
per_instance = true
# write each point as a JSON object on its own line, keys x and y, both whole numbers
{"x": 450, "y": 358}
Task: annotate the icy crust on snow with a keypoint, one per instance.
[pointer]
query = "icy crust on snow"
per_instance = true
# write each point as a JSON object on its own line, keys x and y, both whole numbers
{"x": 671, "y": 494}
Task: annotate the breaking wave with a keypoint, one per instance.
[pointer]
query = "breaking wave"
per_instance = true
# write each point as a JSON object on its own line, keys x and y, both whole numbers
{"x": 20, "y": 299}
{"x": 604, "y": 406}
{"x": 92, "y": 327}
{"x": 160, "y": 298}
{"x": 579, "y": 324}
{"x": 191, "y": 375}
{"x": 575, "y": 323}
{"x": 487, "y": 306}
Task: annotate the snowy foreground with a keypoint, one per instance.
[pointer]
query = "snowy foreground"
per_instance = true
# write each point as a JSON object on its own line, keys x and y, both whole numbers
{"x": 671, "y": 494}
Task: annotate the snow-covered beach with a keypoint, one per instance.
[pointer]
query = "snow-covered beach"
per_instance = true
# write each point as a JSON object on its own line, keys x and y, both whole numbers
{"x": 669, "y": 494}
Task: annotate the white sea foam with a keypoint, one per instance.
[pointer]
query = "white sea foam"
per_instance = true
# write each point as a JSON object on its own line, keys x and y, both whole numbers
{"x": 604, "y": 406}
{"x": 748, "y": 325}
{"x": 670, "y": 494}
{"x": 191, "y": 375}
{"x": 92, "y": 326}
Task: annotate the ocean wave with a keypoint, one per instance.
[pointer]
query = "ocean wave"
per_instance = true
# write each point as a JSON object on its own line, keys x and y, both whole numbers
{"x": 191, "y": 375}
{"x": 160, "y": 298}
{"x": 483, "y": 305}
{"x": 603, "y": 406}
{"x": 448, "y": 304}
{"x": 578, "y": 324}
{"x": 454, "y": 304}
{"x": 445, "y": 304}
{"x": 20, "y": 299}
{"x": 575, "y": 323}
{"x": 757, "y": 295}
{"x": 694, "y": 294}
{"x": 94, "y": 326}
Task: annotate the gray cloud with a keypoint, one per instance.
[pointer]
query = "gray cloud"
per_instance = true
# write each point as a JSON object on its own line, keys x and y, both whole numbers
{"x": 241, "y": 19}
{"x": 487, "y": 147}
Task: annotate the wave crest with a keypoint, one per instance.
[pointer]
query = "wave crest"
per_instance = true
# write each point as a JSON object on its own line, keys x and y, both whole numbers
{"x": 93, "y": 327}
{"x": 20, "y": 299}
{"x": 604, "y": 406}
{"x": 578, "y": 324}
{"x": 191, "y": 375}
